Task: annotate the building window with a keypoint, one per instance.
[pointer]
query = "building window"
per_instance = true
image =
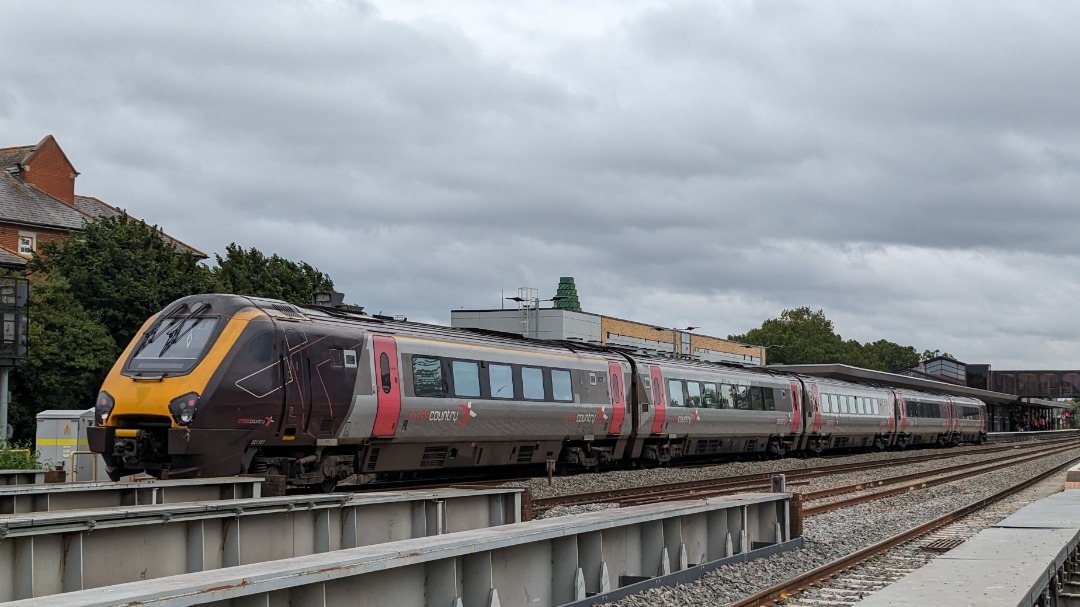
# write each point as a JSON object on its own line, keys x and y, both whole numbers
{"x": 27, "y": 244}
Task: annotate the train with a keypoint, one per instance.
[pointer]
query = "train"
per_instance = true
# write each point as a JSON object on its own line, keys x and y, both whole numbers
{"x": 222, "y": 385}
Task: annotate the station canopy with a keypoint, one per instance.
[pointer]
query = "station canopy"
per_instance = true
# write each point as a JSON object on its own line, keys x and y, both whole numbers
{"x": 894, "y": 380}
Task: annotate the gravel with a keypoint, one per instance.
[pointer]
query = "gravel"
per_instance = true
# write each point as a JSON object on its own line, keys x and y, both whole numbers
{"x": 834, "y": 534}
{"x": 623, "y": 479}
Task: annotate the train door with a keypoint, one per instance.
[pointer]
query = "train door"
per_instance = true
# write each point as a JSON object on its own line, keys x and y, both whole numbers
{"x": 796, "y": 413}
{"x": 901, "y": 414}
{"x": 660, "y": 405}
{"x": 387, "y": 386}
{"x": 296, "y": 398}
{"x": 618, "y": 397}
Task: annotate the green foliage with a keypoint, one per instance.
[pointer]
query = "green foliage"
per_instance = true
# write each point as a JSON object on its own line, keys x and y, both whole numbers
{"x": 805, "y": 336}
{"x": 928, "y": 354}
{"x": 891, "y": 356}
{"x": 122, "y": 271}
{"x": 799, "y": 336}
{"x": 249, "y": 272}
{"x": 69, "y": 355}
{"x": 14, "y": 456}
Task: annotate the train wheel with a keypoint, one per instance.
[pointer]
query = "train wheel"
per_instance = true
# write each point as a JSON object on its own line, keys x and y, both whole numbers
{"x": 328, "y": 485}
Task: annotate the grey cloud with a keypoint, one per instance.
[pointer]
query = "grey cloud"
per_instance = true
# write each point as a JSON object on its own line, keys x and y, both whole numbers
{"x": 910, "y": 169}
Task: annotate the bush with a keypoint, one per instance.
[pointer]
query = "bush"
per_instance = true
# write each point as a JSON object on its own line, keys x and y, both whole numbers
{"x": 17, "y": 457}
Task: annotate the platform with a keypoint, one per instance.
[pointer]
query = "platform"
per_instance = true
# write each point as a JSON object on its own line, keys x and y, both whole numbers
{"x": 1021, "y": 560}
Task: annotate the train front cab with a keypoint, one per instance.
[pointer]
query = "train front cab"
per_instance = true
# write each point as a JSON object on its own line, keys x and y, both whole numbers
{"x": 155, "y": 412}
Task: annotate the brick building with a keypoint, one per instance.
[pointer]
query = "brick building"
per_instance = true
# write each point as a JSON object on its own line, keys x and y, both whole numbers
{"x": 38, "y": 202}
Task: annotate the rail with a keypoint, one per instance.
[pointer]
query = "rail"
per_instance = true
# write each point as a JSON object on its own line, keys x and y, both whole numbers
{"x": 804, "y": 581}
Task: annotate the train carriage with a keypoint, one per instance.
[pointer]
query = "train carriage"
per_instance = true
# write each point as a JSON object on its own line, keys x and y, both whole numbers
{"x": 504, "y": 402}
{"x": 971, "y": 421}
{"x": 923, "y": 419}
{"x": 706, "y": 409}
{"x": 845, "y": 415}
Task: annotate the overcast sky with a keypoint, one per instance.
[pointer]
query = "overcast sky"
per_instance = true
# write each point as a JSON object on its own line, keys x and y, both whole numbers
{"x": 911, "y": 168}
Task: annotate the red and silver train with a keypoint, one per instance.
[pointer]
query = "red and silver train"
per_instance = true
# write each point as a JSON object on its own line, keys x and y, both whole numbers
{"x": 222, "y": 385}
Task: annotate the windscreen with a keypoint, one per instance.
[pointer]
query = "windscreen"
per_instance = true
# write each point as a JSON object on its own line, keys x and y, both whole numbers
{"x": 173, "y": 345}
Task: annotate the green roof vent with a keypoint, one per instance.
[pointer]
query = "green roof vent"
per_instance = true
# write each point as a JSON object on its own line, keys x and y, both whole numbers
{"x": 566, "y": 295}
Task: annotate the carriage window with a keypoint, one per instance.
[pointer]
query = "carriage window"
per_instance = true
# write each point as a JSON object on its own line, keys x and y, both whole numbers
{"x": 709, "y": 397}
{"x": 727, "y": 396}
{"x": 742, "y": 397}
{"x": 770, "y": 400}
{"x": 532, "y": 383}
{"x": 501, "y": 381}
{"x": 616, "y": 388}
{"x": 693, "y": 392}
{"x": 874, "y": 405}
{"x": 560, "y": 386}
{"x": 466, "y": 378}
{"x": 843, "y": 403}
{"x": 834, "y": 403}
{"x": 384, "y": 372}
{"x": 675, "y": 393}
{"x": 427, "y": 376}
{"x": 862, "y": 405}
{"x": 757, "y": 401}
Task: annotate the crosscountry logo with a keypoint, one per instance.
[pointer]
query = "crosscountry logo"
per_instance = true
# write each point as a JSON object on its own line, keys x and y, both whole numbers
{"x": 466, "y": 413}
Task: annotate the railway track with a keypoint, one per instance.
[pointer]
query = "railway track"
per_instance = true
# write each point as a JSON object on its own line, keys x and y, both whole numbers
{"x": 762, "y": 482}
{"x": 844, "y": 581}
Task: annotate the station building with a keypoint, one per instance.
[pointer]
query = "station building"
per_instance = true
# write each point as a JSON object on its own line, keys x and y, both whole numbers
{"x": 562, "y": 322}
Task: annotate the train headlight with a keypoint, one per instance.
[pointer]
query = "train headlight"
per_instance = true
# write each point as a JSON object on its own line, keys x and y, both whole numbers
{"x": 183, "y": 408}
{"x": 103, "y": 406}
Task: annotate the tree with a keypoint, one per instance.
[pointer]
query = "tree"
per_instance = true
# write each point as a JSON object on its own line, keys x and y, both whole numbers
{"x": 799, "y": 336}
{"x": 804, "y": 336}
{"x": 68, "y": 356}
{"x": 890, "y": 356}
{"x": 122, "y": 271}
{"x": 928, "y": 354}
{"x": 249, "y": 272}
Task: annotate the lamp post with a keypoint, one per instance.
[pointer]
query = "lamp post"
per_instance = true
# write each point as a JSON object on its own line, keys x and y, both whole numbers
{"x": 676, "y": 343}
{"x": 532, "y": 305}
